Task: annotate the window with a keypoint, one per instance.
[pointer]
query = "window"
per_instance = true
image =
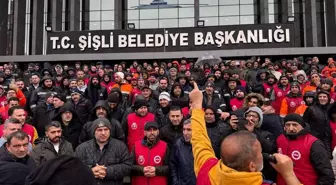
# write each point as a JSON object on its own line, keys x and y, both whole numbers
{"x": 177, "y": 13}
{"x": 229, "y": 10}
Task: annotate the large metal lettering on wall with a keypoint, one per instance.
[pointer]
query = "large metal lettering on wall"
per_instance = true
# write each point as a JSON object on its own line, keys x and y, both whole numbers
{"x": 172, "y": 39}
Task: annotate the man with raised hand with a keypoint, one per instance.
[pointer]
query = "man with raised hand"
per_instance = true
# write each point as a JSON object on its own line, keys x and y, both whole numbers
{"x": 241, "y": 158}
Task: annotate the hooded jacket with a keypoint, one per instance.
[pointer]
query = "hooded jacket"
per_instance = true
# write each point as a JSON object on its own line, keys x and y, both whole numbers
{"x": 70, "y": 132}
{"x": 42, "y": 116}
{"x": 215, "y": 131}
{"x": 95, "y": 92}
{"x": 83, "y": 109}
{"x": 45, "y": 151}
{"x": 316, "y": 116}
{"x": 182, "y": 100}
{"x": 116, "y": 131}
{"x": 39, "y": 95}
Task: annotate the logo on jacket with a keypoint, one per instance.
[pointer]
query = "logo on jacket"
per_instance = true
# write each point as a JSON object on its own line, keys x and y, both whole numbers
{"x": 141, "y": 160}
{"x": 234, "y": 107}
{"x": 134, "y": 126}
{"x": 279, "y": 94}
{"x": 303, "y": 103}
{"x": 292, "y": 104}
{"x": 268, "y": 90}
{"x": 296, "y": 155}
{"x": 157, "y": 159}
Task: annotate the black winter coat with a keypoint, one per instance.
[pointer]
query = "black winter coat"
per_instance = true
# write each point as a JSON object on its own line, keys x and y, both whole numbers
{"x": 182, "y": 163}
{"x": 83, "y": 109}
{"x": 42, "y": 116}
{"x": 95, "y": 93}
{"x": 114, "y": 156}
{"x": 316, "y": 116}
{"x": 216, "y": 131}
{"x": 116, "y": 132}
{"x": 45, "y": 151}
{"x": 7, "y": 157}
{"x": 170, "y": 133}
{"x": 72, "y": 131}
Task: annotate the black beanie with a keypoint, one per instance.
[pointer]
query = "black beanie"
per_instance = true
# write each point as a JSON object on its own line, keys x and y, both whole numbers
{"x": 65, "y": 170}
{"x": 112, "y": 98}
{"x": 296, "y": 118}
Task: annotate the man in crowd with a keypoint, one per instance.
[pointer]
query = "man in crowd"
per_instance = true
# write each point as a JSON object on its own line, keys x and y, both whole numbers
{"x": 151, "y": 158}
{"x": 101, "y": 110}
{"x": 70, "y": 123}
{"x": 11, "y": 102}
{"x": 108, "y": 158}
{"x": 16, "y": 150}
{"x": 12, "y": 125}
{"x": 43, "y": 114}
{"x": 241, "y": 146}
{"x": 81, "y": 105}
{"x": 95, "y": 91}
{"x": 19, "y": 113}
{"x": 135, "y": 123}
{"x": 52, "y": 145}
{"x": 39, "y": 95}
{"x": 312, "y": 164}
{"x": 182, "y": 159}
{"x": 292, "y": 100}
{"x": 173, "y": 130}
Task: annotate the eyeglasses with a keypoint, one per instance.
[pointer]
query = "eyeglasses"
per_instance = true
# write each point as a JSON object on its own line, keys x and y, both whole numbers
{"x": 251, "y": 115}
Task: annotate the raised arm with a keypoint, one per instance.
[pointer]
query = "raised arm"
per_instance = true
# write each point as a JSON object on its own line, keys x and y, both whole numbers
{"x": 201, "y": 145}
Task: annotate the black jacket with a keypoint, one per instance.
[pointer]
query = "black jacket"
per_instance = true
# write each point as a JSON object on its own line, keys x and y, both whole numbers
{"x": 215, "y": 132}
{"x": 316, "y": 116}
{"x": 163, "y": 170}
{"x": 13, "y": 173}
{"x": 116, "y": 132}
{"x": 5, "y": 156}
{"x": 45, "y": 151}
{"x": 217, "y": 101}
{"x": 39, "y": 95}
{"x": 182, "y": 163}
{"x": 70, "y": 132}
{"x": 182, "y": 100}
{"x": 273, "y": 124}
{"x": 95, "y": 93}
{"x": 114, "y": 156}
{"x": 83, "y": 109}
{"x": 42, "y": 116}
{"x": 170, "y": 133}
{"x": 162, "y": 116}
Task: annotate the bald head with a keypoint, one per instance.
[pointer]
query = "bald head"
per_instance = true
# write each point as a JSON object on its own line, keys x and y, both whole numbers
{"x": 239, "y": 149}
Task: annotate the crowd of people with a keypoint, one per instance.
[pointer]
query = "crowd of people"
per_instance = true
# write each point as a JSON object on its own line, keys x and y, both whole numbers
{"x": 173, "y": 122}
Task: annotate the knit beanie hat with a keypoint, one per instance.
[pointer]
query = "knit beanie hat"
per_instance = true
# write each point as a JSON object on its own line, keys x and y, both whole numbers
{"x": 259, "y": 112}
{"x": 296, "y": 118}
{"x": 63, "y": 170}
{"x": 120, "y": 74}
{"x": 101, "y": 122}
{"x": 165, "y": 95}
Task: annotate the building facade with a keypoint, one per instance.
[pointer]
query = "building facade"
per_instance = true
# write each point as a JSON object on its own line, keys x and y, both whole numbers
{"x": 24, "y": 37}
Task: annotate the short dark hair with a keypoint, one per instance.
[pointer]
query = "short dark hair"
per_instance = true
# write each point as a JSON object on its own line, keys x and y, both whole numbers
{"x": 175, "y": 108}
{"x": 12, "y": 109}
{"x": 12, "y": 121}
{"x": 13, "y": 99}
{"x": 244, "y": 141}
{"x": 20, "y": 135}
{"x": 56, "y": 124}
